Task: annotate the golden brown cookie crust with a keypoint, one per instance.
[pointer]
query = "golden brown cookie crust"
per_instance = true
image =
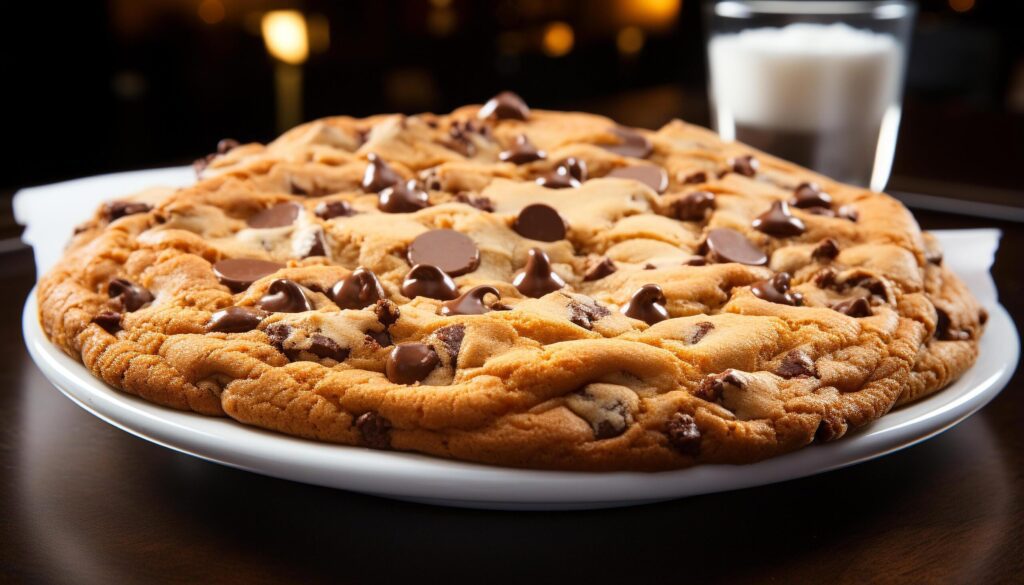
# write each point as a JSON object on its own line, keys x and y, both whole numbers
{"x": 564, "y": 381}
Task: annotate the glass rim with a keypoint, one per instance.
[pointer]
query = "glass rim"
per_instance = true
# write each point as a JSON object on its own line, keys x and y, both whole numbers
{"x": 879, "y": 9}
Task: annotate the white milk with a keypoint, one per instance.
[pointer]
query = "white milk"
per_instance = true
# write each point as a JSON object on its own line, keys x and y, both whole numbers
{"x": 814, "y": 93}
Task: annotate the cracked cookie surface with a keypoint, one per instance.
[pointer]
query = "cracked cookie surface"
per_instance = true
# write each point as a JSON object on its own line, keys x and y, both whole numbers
{"x": 516, "y": 287}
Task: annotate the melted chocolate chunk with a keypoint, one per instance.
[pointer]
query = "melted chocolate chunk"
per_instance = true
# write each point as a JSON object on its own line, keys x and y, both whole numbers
{"x": 778, "y": 221}
{"x": 858, "y": 307}
{"x": 459, "y": 142}
{"x": 239, "y": 273}
{"x": 424, "y": 280}
{"x": 318, "y": 247}
{"x": 631, "y": 143}
{"x": 324, "y": 347}
{"x": 826, "y": 251}
{"x": 828, "y": 430}
{"x": 110, "y": 321}
{"x": 540, "y": 222}
{"x": 522, "y": 152}
{"x": 285, "y": 296}
{"x": 127, "y": 295}
{"x": 696, "y": 261}
{"x": 647, "y": 304}
{"x": 449, "y": 250}
{"x": 114, "y": 210}
{"x": 481, "y": 203}
{"x": 745, "y": 165}
{"x": 729, "y": 245}
{"x": 236, "y": 320}
{"x": 776, "y": 290}
{"x": 504, "y": 106}
{"x": 683, "y": 434}
{"x": 277, "y": 333}
{"x": 695, "y": 178}
{"x": 375, "y": 430}
{"x": 409, "y": 363}
{"x": 694, "y": 207}
{"x": 700, "y": 331}
{"x": 387, "y": 313}
{"x": 944, "y": 328}
{"x": 808, "y": 195}
{"x": 280, "y": 215}
{"x": 332, "y": 209}
{"x": 379, "y": 338}
{"x": 653, "y": 176}
{"x": 600, "y": 270}
{"x": 470, "y": 302}
{"x": 584, "y": 315}
{"x": 712, "y": 386}
{"x": 575, "y": 168}
{"x": 558, "y": 179}
{"x": 358, "y": 290}
{"x": 797, "y": 364}
{"x": 402, "y": 198}
{"x": 378, "y": 175}
{"x": 537, "y": 278}
{"x": 451, "y": 337}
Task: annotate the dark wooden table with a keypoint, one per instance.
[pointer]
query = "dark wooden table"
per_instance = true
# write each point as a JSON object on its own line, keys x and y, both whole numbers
{"x": 83, "y": 502}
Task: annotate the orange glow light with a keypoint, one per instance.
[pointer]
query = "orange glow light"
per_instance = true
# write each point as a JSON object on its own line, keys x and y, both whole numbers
{"x": 211, "y": 11}
{"x": 649, "y": 13}
{"x": 961, "y": 5}
{"x": 286, "y": 36}
{"x": 558, "y": 39}
{"x": 630, "y": 40}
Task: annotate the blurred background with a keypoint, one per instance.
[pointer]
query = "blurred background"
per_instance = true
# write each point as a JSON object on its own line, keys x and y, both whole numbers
{"x": 96, "y": 87}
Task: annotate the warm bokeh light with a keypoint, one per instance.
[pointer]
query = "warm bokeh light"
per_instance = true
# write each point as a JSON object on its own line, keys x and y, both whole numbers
{"x": 286, "y": 36}
{"x": 961, "y": 5}
{"x": 630, "y": 40}
{"x": 211, "y": 11}
{"x": 558, "y": 39}
{"x": 649, "y": 13}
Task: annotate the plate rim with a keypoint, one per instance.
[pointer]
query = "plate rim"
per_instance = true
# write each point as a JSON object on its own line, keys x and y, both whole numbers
{"x": 435, "y": 480}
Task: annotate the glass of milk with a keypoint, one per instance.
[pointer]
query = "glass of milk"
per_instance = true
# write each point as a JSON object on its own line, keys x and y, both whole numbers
{"x": 816, "y": 83}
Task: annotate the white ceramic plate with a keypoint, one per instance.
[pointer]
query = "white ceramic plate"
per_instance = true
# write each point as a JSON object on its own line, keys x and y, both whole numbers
{"x": 438, "y": 481}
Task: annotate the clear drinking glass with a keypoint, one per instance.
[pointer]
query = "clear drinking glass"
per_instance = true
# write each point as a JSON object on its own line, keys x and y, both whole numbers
{"x": 816, "y": 83}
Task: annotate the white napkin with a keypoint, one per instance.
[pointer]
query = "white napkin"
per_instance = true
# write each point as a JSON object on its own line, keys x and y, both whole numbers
{"x": 51, "y": 212}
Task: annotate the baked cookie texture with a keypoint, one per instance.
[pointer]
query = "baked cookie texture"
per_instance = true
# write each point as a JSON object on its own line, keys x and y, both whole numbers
{"x": 516, "y": 287}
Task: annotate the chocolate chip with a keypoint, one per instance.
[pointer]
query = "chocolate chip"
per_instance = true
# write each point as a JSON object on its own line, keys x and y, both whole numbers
{"x": 114, "y": 210}
{"x": 238, "y": 273}
{"x": 379, "y": 338}
{"x": 110, "y": 321}
{"x": 683, "y": 434}
{"x": 808, "y": 195}
{"x": 128, "y": 295}
{"x": 226, "y": 145}
{"x": 378, "y": 175}
{"x": 982, "y": 316}
{"x": 647, "y": 304}
{"x": 600, "y": 270}
{"x": 470, "y": 302}
{"x": 558, "y": 179}
{"x": 858, "y": 307}
{"x": 745, "y": 165}
{"x": 776, "y": 290}
{"x": 696, "y": 261}
{"x": 449, "y": 250}
{"x": 387, "y": 312}
{"x": 631, "y": 143}
{"x": 848, "y": 212}
{"x": 236, "y": 320}
{"x": 944, "y": 328}
{"x": 933, "y": 257}
{"x": 424, "y": 280}
{"x": 653, "y": 176}
{"x": 729, "y": 245}
{"x": 318, "y": 247}
{"x": 324, "y": 347}
{"x": 827, "y": 250}
{"x": 409, "y": 363}
{"x": 584, "y": 315}
{"x": 574, "y": 167}
{"x": 825, "y": 278}
{"x": 712, "y": 386}
{"x": 537, "y": 278}
{"x": 504, "y": 106}
{"x": 280, "y": 215}
{"x": 649, "y": 266}
{"x": 694, "y": 207}
{"x": 285, "y": 296}
{"x": 332, "y": 209}
{"x": 522, "y": 152}
{"x": 375, "y": 430}
{"x": 451, "y": 337}
{"x": 695, "y": 178}
{"x": 402, "y": 198}
{"x": 828, "y": 430}
{"x": 358, "y": 290}
{"x": 277, "y": 333}
{"x": 481, "y": 203}
{"x": 797, "y": 364}
{"x": 701, "y": 330}
{"x": 540, "y": 222}
{"x": 459, "y": 142}
{"x": 778, "y": 221}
